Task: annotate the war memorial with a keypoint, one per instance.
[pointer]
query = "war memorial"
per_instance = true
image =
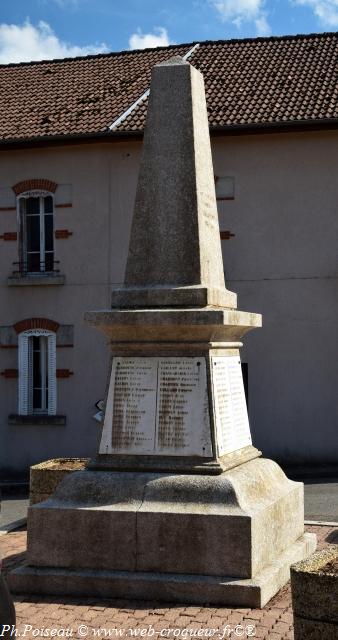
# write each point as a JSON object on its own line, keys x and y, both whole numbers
{"x": 177, "y": 505}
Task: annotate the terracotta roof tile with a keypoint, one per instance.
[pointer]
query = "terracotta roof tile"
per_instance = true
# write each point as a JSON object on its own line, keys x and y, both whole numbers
{"x": 248, "y": 82}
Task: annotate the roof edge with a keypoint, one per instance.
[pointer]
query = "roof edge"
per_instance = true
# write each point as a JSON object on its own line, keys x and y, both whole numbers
{"x": 288, "y": 124}
{"x": 94, "y": 56}
{"x": 106, "y": 136}
{"x": 297, "y": 36}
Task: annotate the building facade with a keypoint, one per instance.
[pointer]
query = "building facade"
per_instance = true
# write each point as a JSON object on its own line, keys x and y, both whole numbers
{"x": 65, "y": 215}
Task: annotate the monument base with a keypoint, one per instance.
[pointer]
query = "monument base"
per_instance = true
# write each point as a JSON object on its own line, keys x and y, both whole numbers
{"x": 226, "y": 539}
{"x": 174, "y": 464}
{"x": 190, "y": 589}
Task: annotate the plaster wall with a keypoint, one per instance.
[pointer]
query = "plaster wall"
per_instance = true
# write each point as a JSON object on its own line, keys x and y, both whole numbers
{"x": 282, "y": 262}
{"x": 90, "y": 260}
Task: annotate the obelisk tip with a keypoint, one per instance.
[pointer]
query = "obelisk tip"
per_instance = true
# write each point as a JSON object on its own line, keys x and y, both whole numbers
{"x": 174, "y": 60}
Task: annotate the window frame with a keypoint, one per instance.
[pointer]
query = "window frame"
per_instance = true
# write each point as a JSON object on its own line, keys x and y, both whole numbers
{"x": 22, "y": 235}
{"x": 25, "y": 400}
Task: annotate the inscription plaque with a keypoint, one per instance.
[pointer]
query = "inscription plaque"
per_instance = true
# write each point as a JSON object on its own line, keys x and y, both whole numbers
{"x": 182, "y": 420}
{"x": 231, "y": 416}
{"x": 157, "y": 406}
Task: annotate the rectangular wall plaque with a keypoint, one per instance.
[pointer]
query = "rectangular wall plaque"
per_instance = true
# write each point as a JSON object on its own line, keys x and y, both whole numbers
{"x": 231, "y": 416}
{"x": 157, "y": 406}
{"x": 182, "y": 419}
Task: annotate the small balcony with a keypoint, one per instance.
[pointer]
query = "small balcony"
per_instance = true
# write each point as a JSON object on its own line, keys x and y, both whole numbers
{"x": 36, "y": 273}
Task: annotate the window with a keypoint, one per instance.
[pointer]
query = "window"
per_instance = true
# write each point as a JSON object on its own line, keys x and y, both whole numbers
{"x": 225, "y": 187}
{"x": 36, "y": 226}
{"x": 245, "y": 375}
{"x": 37, "y": 372}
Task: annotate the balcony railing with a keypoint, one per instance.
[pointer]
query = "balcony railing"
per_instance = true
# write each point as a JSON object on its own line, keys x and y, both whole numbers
{"x": 37, "y": 269}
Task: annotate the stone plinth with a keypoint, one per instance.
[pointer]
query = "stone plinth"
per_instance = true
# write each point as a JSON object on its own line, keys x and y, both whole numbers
{"x": 227, "y": 540}
{"x": 314, "y": 584}
{"x": 46, "y": 476}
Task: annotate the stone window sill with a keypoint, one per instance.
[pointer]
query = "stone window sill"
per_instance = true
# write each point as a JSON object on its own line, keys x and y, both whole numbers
{"x": 35, "y": 280}
{"x": 58, "y": 421}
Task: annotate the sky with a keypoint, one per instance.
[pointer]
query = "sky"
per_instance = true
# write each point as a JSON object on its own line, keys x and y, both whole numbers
{"x": 45, "y": 29}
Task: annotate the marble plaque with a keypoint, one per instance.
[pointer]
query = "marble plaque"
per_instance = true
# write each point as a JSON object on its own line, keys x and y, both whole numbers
{"x": 131, "y": 407}
{"x": 157, "y": 406}
{"x": 231, "y": 416}
{"x": 182, "y": 420}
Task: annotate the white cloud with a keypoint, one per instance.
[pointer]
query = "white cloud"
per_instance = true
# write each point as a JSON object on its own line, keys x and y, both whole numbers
{"x": 141, "y": 40}
{"x": 239, "y": 11}
{"x": 66, "y": 3}
{"x": 325, "y": 10}
{"x": 26, "y": 42}
{"x": 234, "y": 9}
{"x": 262, "y": 25}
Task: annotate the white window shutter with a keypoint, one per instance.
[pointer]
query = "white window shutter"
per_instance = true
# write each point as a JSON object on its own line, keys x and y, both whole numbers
{"x": 30, "y": 375}
{"x": 52, "y": 374}
{"x": 22, "y": 239}
{"x": 24, "y": 372}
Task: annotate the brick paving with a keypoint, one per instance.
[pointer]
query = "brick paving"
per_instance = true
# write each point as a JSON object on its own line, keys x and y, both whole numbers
{"x": 94, "y": 617}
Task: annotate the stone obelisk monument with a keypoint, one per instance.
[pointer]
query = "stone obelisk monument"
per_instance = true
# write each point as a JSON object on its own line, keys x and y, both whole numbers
{"x": 178, "y": 504}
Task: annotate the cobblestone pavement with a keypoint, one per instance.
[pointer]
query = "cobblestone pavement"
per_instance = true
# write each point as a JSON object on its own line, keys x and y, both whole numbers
{"x": 94, "y": 617}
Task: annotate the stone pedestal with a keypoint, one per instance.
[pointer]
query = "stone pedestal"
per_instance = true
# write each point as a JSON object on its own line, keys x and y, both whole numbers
{"x": 228, "y": 540}
{"x": 175, "y": 404}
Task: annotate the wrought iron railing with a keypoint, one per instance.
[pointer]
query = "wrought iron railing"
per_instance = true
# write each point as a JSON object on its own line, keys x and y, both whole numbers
{"x": 24, "y": 268}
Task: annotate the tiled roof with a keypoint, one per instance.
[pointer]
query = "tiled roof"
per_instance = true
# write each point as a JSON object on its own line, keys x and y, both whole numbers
{"x": 262, "y": 81}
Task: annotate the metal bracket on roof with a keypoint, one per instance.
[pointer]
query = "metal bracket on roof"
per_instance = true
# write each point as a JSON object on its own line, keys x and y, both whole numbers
{"x": 144, "y": 95}
{"x": 125, "y": 115}
{"x": 191, "y": 51}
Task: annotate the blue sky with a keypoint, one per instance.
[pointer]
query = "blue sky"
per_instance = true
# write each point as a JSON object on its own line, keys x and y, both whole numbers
{"x": 40, "y": 29}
